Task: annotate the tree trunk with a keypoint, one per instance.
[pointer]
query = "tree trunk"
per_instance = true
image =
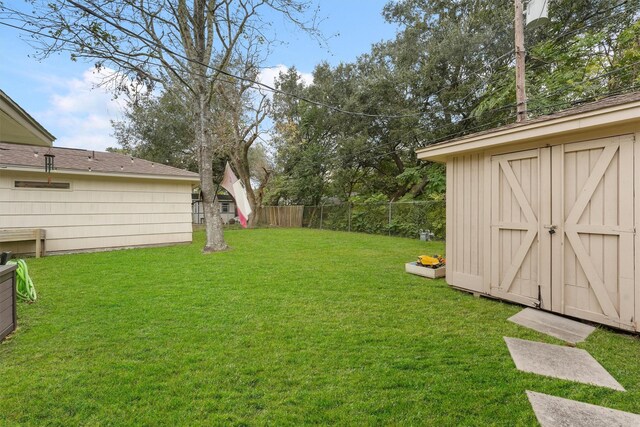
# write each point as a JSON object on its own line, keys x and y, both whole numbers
{"x": 254, "y": 217}
{"x": 260, "y": 196}
{"x": 418, "y": 188}
{"x": 212, "y": 219}
{"x": 241, "y": 164}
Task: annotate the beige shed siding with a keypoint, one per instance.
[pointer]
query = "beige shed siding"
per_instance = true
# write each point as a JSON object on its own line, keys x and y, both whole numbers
{"x": 98, "y": 212}
{"x": 501, "y": 203}
{"x": 465, "y": 233}
{"x": 558, "y": 216}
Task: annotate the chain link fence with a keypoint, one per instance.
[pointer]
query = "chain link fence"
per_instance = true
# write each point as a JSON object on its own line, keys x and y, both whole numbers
{"x": 405, "y": 219}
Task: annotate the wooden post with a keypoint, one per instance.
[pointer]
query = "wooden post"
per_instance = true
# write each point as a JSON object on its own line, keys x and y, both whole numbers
{"x": 521, "y": 96}
{"x": 349, "y": 210}
{"x": 321, "y": 209}
{"x": 38, "y": 236}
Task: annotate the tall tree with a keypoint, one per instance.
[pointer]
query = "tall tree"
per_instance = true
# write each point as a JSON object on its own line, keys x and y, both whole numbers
{"x": 573, "y": 58}
{"x": 448, "y": 72}
{"x": 303, "y": 138}
{"x": 242, "y": 112}
{"x": 157, "y": 128}
{"x": 174, "y": 43}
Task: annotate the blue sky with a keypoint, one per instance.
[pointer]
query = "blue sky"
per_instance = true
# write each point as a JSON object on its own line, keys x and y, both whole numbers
{"x": 61, "y": 94}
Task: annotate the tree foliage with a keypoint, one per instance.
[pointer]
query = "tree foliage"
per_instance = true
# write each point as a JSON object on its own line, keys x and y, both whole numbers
{"x": 448, "y": 72}
{"x": 185, "y": 46}
{"x": 158, "y": 128}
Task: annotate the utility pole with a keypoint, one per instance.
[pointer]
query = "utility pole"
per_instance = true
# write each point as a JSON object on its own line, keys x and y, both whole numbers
{"x": 521, "y": 96}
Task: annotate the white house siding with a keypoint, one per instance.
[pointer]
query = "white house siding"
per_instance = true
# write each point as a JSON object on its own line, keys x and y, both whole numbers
{"x": 97, "y": 212}
{"x": 197, "y": 211}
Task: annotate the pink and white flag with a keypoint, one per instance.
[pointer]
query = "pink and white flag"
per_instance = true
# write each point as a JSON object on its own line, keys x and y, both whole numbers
{"x": 235, "y": 187}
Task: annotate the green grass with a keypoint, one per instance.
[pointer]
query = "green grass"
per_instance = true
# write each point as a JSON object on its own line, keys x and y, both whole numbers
{"x": 289, "y": 327}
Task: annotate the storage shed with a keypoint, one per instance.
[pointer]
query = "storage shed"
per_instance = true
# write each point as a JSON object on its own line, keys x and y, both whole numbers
{"x": 544, "y": 212}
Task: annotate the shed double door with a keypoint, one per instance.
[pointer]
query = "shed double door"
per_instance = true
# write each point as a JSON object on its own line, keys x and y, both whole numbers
{"x": 562, "y": 229}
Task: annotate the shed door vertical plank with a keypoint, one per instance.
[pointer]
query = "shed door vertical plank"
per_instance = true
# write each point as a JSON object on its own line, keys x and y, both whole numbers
{"x": 460, "y": 207}
{"x": 496, "y": 258}
{"x": 517, "y": 216}
{"x": 487, "y": 211}
{"x": 505, "y": 235}
{"x": 611, "y": 242}
{"x": 636, "y": 174}
{"x": 583, "y": 170}
{"x": 466, "y": 222}
{"x": 474, "y": 214}
{"x": 544, "y": 247}
{"x": 557, "y": 219}
{"x": 569, "y": 259}
{"x": 627, "y": 282}
{"x": 596, "y": 208}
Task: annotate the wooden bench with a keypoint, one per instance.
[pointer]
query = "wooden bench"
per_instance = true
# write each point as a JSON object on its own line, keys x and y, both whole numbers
{"x": 25, "y": 234}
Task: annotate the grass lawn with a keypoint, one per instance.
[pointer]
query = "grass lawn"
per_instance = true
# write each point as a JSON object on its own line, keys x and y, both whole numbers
{"x": 290, "y": 327}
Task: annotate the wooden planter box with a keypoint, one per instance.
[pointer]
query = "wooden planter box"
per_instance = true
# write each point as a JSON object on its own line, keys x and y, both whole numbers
{"x": 8, "y": 318}
{"x": 431, "y": 273}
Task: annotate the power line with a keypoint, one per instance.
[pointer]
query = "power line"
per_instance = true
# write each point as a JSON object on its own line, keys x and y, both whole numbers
{"x": 502, "y": 108}
{"x": 620, "y": 91}
{"x": 305, "y": 99}
{"x": 216, "y": 69}
{"x": 498, "y": 109}
{"x": 553, "y": 42}
{"x": 594, "y": 78}
{"x": 263, "y": 85}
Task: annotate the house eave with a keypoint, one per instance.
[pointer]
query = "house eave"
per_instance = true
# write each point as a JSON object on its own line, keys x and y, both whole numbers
{"x": 591, "y": 120}
{"x": 193, "y": 180}
{"x": 35, "y": 133}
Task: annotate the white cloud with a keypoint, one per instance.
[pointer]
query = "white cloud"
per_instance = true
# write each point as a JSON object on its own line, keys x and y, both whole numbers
{"x": 81, "y": 111}
{"x": 268, "y": 75}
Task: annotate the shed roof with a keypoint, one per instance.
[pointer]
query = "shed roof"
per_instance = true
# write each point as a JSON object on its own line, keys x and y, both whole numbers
{"x": 608, "y": 111}
{"x": 85, "y": 162}
{"x": 16, "y": 125}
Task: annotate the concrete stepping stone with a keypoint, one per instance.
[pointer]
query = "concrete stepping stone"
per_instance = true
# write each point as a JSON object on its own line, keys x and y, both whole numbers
{"x": 559, "y": 327}
{"x": 556, "y": 361}
{"x": 558, "y": 412}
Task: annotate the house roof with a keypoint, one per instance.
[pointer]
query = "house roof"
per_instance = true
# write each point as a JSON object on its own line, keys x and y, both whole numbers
{"x": 85, "y": 162}
{"x": 613, "y": 110}
{"x": 16, "y": 125}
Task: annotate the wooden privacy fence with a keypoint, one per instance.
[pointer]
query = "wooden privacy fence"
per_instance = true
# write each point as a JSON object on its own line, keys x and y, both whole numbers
{"x": 281, "y": 216}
